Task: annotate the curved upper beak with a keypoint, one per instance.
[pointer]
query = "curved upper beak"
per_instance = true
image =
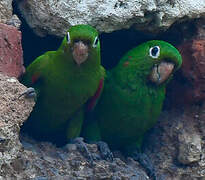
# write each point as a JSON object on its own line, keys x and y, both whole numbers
{"x": 80, "y": 52}
{"x": 161, "y": 72}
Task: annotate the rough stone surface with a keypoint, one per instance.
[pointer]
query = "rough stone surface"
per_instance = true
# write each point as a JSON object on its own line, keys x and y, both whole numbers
{"x": 189, "y": 147}
{"x": 11, "y": 60}
{"x": 5, "y": 10}
{"x": 176, "y": 145}
{"x": 13, "y": 112}
{"x": 176, "y": 128}
{"x": 202, "y": 123}
{"x": 176, "y": 131}
{"x": 45, "y": 161}
{"x": 56, "y": 16}
{"x": 193, "y": 68}
{"x": 14, "y": 21}
{"x": 191, "y": 82}
{"x": 6, "y": 14}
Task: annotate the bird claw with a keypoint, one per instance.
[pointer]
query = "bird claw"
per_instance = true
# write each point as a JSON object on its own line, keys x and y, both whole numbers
{"x": 83, "y": 148}
{"x": 29, "y": 93}
{"x": 145, "y": 162}
{"x": 105, "y": 151}
{"x": 102, "y": 146}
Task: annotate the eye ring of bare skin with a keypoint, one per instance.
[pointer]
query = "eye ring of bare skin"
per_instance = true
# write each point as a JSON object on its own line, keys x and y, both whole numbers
{"x": 68, "y": 38}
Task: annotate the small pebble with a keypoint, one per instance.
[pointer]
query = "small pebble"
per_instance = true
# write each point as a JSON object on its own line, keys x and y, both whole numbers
{"x": 12, "y": 80}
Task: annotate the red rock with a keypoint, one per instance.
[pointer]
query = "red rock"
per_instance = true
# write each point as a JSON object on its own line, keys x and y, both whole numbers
{"x": 11, "y": 54}
{"x": 189, "y": 87}
{"x": 193, "y": 69}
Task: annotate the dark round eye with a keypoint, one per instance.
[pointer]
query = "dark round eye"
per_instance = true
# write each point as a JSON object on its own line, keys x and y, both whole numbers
{"x": 154, "y": 52}
{"x": 95, "y": 43}
{"x": 68, "y": 37}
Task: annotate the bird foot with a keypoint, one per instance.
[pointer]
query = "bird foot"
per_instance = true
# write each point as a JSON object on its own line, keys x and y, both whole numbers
{"x": 105, "y": 150}
{"x": 146, "y": 163}
{"x": 83, "y": 148}
{"x": 29, "y": 93}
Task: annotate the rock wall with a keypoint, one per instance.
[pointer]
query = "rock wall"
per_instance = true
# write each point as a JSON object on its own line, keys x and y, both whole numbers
{"x": 45, "y": 161}
{"x": 5, "y": 10}
{"x": 175, "y": 145}
{"x": 190, "y": 87}
{"x": 56, "y": 16}
{"x": 11, "y": 59}
{"x": 13, "y": 112}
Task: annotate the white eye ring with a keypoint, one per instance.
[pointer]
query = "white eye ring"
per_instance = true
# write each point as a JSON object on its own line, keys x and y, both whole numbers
{"x": 95, "y": 43}
{"x": 154, "y": 52}
{"x": 68, "y": 37}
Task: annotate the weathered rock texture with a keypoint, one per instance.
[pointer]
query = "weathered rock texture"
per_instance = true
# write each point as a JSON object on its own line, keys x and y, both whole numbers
{"x": 11, "y": 59}
{"x": 191, "y": 86}
{"x": 176, "y": 145}
{"x": 193, "y": 68}
{"x": 13, "y": 112}
{"x": 5, "y": 10}
{"x": 14, "y": 21}
{"x": 45, "y": 161}
{"x": 177, "y": 139}
{"x": 56, "y": 16}
{"x": 6, "y": 14}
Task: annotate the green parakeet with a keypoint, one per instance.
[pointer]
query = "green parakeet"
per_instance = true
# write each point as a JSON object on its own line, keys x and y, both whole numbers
{"x": 133, "y": 95}
{"x": 67, "y": 82}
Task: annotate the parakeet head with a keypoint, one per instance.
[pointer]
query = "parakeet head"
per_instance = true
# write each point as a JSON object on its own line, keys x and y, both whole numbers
{"x": 82, "y": 42}
{"x": 154, "y": 61}
{"x": 166, "y": 59}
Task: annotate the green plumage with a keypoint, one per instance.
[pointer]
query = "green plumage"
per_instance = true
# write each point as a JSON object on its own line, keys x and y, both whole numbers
{"x": 63, "y": 87}
{"x": 130, "y": 103}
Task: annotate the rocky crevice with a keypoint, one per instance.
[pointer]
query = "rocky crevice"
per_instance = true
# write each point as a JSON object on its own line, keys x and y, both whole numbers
{"x": 52, "y": 17}
{"x": 176, "y": 145}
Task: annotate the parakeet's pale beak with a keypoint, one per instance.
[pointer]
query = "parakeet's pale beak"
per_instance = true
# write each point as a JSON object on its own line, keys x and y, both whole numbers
{"x": 80, "y": 52}
{"x": 161, "y": 72}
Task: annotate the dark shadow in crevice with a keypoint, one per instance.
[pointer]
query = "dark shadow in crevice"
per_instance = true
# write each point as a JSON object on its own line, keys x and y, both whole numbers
{"x": 33, "y": 45}
{"x": 117, "y": 43}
